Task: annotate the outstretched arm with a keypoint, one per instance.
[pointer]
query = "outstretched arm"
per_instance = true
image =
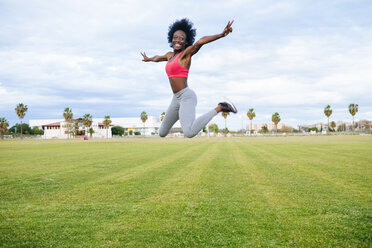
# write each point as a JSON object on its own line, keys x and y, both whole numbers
{"x": 156, "y": 58}
{"x": 206, "y": 39}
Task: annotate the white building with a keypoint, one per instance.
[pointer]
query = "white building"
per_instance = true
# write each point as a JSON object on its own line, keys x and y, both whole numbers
{"x": 60, "y": 129}
{"x": 135, "y": 124}
{"x": 270, "y": 126}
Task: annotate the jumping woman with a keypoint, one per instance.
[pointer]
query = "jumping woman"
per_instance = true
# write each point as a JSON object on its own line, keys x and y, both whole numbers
{"x": 181, "y": 36}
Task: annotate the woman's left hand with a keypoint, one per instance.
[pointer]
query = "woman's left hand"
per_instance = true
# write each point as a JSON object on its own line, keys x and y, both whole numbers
{"x": 228, "y": 28}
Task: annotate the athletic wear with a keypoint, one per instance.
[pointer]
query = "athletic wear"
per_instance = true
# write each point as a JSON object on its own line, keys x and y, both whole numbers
{"x": 228, "y": 107}
{"x": 182, "y": 107}
{"x": 174, "y": 69}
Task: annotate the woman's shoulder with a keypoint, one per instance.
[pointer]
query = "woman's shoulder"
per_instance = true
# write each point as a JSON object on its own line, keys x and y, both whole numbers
{"x": 187, "y": 52}
{"x": 169, "y": 55}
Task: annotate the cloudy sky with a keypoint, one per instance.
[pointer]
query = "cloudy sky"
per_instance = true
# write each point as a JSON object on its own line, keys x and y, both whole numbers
{"x": 291, "y": 57}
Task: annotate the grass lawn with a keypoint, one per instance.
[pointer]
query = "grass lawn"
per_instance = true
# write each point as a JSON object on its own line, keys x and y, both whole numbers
{"x": 217, "y": 192}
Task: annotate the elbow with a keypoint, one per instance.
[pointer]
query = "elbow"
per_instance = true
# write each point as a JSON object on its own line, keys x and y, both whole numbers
{"x": 199, "y": 43}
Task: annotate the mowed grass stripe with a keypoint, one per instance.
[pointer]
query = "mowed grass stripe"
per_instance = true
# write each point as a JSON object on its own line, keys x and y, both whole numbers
{"x": 185, "y": 184}
{"x": 163, "y": 216}
{"x": 328, "y": 172}
{"x": 280, "y": 209}
{"x": 62, "y": 175}
{"x": 72, "y": 154}
{"x": 351, "y": 164}
{"x": 213, "y": 220}
{"x": 233, "y": 215}
{"x": 318, "y": 202}
{"x": 131, "y": 184}
{"x": 250, "y": 162}
{"x": 268, "y": 206}
{"x": 60, "y": 162}
{"x": 87, "y": 181}
{"x": 208, "y": 216}
{"x": 107, "y": 203}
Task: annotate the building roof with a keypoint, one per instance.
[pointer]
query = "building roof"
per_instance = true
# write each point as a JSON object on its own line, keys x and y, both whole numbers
{"x": 100, "y": 124}
{"x": 55, "y": 124}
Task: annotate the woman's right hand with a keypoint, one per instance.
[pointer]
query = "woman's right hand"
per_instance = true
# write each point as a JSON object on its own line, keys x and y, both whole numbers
{"x": 156, "y": 58}
{"x": 145, "y": 58}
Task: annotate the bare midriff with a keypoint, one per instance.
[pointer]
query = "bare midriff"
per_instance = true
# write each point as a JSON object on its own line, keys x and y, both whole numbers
{"x": 178, "y": 83}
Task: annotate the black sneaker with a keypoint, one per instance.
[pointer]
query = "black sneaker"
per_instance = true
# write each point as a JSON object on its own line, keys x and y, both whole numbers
{"x": 228, "y": 107}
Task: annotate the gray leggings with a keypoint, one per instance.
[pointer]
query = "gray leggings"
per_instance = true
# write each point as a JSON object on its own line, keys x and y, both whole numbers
{"x": 182, "y": 107}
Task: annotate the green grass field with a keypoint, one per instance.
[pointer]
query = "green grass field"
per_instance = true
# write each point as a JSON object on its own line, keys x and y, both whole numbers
{"x": 217, "y": 192}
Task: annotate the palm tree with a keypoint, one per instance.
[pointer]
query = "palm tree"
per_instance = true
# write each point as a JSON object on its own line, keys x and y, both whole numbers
{"x": 75, "y": 125}
{"x": 4, "y": 124}
{"x": 67, "y": 114}
{"x": 251, "y": 115}
{"x": 87, "y": 121}
{"x": 21, "y": 110}
{"x": 106, "y": 123}
{"x": 328, "y": 112}
{"x": 213, "y": 128}
{"x": 91, "y": 132}
{"x": 353, "y": 109}
{"x": 276, "y": 119}
{"x": 144, "y": 119}
{"x": 333, "y": 125}
{"x": 225, "y": 114}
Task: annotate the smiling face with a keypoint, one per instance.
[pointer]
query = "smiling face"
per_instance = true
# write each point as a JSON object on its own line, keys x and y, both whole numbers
{"x": 179, "y": 40}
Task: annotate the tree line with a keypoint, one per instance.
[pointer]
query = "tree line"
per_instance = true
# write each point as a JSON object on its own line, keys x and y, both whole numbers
{"x": 353, "y": 109}
{"x": 72, "y": 127}
{"x": 275, "y": 118}
{"x": 20, "y": 110}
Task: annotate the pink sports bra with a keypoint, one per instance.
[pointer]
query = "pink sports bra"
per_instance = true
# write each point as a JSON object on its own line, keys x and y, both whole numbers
{"x": 174, "y": 69}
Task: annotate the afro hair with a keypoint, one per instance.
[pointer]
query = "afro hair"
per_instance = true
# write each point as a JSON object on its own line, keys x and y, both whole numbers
{"x": 186, "y": 26}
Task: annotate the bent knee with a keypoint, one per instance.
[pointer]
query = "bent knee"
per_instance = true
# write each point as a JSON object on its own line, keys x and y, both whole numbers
{"x": 188, "y": 134}
{"x": 163, "y": 134}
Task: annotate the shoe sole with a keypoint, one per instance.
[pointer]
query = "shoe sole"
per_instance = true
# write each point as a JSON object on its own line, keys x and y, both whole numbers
{"x": 234, "y": 108}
